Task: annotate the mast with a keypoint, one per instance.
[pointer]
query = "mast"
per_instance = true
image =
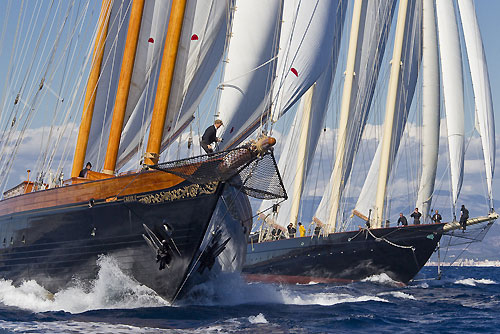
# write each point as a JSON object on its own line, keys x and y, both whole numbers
{"x": 89, "y": 102}
{"x": 302, "y": 155}
{"x": 338, "y": 181}
{"x": 123, "y": 86}
{"x": 165, "y": 82}
{"x": 430, "y": 109}
{"x": 390, "y": 113}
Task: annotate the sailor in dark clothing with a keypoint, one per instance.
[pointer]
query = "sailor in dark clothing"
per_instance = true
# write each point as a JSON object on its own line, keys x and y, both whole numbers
{"x": 436, "y": 217}
{"x": 402, "y": 220}
{"x": 83, "y": 172}
{"x": 464, "y": 215}
{"x": 210, "y": 137}
{"x": 416, "y": 216}
{"x": 291, "y": 230}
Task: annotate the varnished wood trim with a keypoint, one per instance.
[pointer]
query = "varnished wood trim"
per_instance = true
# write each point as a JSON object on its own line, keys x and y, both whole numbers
{"x": 82, "y": 192}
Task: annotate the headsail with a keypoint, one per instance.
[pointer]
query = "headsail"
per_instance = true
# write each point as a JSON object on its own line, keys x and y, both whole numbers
{"x": 481, "y": 86}
{"x": 306, "y": 36}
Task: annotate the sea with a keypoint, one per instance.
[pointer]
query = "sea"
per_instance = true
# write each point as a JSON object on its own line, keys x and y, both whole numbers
{"x": 464, "y": 300}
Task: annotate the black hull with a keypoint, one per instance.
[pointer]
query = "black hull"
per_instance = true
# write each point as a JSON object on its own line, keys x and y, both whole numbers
{"x": 399, "y": 252}
{"x": 54, "y": 245}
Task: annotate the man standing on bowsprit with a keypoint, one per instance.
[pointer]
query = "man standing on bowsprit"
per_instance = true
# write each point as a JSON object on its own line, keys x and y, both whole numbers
{"x": 210, "y": 137}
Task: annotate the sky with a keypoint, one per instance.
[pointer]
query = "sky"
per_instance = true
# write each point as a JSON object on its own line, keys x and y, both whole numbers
{"x": 57, "y": 97}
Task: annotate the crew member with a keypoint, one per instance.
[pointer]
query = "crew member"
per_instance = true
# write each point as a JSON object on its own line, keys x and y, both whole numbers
{"x": 436, "y": 217}
{"x": 83, "y": 172}
{"x": 291, "y": 230}
{"x": 402, "y": 220}
{"x": 464, "y": 215}
{"x": 302, "y": 230}
{"x": 416, "y": 216}
{"x": 210, "y": 137}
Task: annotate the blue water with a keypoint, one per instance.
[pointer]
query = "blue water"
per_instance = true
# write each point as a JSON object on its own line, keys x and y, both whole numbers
{"x": 465, "y": 300}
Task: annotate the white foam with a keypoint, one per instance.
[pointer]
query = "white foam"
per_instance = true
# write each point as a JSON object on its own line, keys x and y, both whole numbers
{"x": 258, "y": 319}
{"x": 111, "y": 289}
{"x": 381, "y": 279}
{"x": 231, "y": 289}
{"x": 73, "y": 327}
{"x": 474, "y": 282}
{"x": 397, "y": 294}
{"x": 326, "y": 299}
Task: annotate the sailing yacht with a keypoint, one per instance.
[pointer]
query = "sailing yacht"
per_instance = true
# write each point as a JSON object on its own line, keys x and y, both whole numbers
{"x": 169, "y": 225}
{"x": 333, "y": 253}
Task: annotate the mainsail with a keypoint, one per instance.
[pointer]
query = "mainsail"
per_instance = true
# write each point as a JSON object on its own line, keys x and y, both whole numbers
{"x": 303, "y": 137}
{"x": 407, "y": 79}
{"x": 374, "y": 23}
{"x": 453, "y": 90}
{"x": 301, "y": 43}
{"x": 430, "y": 108}
{"x": 201, "y": 48}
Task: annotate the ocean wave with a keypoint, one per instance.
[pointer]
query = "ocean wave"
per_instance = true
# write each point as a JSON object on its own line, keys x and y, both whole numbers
{"x": 475, "y": 282}
{"x": 231, "y": 289}
{"x": 111, "y": 289}
{"x": 75, "y": 327}
{"x": 381, "y": 279}
{"x": 258, "y": 319}
{"x": 327, "y": 299}
{"x": 397, "y": 294}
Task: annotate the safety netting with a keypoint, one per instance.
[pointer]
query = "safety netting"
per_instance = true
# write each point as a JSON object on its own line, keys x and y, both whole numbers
{"x": 254, "y": 174}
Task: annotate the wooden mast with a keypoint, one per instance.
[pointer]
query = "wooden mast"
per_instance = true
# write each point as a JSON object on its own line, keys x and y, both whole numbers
{"x": 88, "y": 106}
{"x": 165, "y": 82}
{"x": 123, "y": 86}
{"x": 390, "y": 110}
{"x": 305, "y": 125}
{"x": 338, "y": 181}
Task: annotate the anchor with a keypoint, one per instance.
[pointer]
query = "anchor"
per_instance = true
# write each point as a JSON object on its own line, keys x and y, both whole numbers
{"x": 207, "y": 258}
{"x": 164, "y": 249}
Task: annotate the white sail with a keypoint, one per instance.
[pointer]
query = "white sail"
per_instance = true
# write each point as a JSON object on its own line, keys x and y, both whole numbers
{"x": 304, "y": 132}
{"x": 250, "y": 67}
{"x": 376, "y": 17}
{"x": 453, "y": 90}
{"x": 481, "y": 86}
{"x": 430, "y": 109}
{"x": 410, "y": 57}
{"x": 108, "y": 82}
{"x": 201, "y": 47}
{"x": 307, "y": 36}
